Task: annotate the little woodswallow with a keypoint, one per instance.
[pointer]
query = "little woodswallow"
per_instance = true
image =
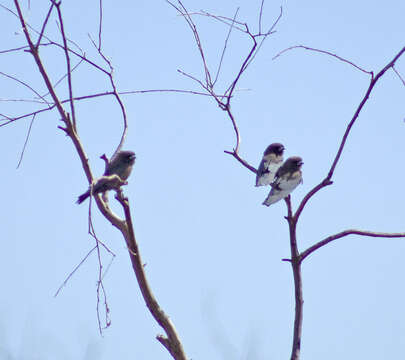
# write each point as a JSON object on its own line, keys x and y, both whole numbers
{"x": 271, "y": 161}
{"x": 120, "y": 165}
{"x": 287, "y": 178}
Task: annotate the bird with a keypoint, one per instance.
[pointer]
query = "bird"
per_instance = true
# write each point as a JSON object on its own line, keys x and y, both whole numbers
{"x": 287, "y": 178}
{"x": 119, "y": 166}
{"x": 271, "y": 161}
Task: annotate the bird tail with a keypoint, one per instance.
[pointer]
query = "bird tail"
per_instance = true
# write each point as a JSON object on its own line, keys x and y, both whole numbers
{"x": 272, "y": 198}
{"x": 83, "y": 197}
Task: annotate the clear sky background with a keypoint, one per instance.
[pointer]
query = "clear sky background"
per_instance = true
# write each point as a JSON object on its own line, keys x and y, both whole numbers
{"x": 212, "y": 251}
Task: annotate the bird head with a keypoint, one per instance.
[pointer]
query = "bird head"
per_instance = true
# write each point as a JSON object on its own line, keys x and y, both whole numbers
{"x": 127, "y": 156}
{"x": 275, "y": 148}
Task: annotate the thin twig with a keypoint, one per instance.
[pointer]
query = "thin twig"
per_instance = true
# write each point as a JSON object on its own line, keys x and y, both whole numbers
{"x": 260, "y": 16}
{"x": 64, "y": 77}
{"x": 242, "y": 161}
{"x": 100, "y": 23}
{"x": 100, "y": 285}
{"x": 183, "y": 11}
{"x": 69, "y": 71}
{"x": 322, "y": 52}
{"x": 223, "y": 19}
{"x": 264, "y": 36}
{"x": 74, "y": 270}
{"x": 90, "y": 96}
{"x": 41, "y": 33}
{"x": 26, "y": 85}
{"x": 14, "y": 49}
{"x": 117, "y": 97}
{"x": 399, "y": 75}
{"x": 331, "y": 238}
{"x": 26, "y": 141}
{"x": 225, "y": 45}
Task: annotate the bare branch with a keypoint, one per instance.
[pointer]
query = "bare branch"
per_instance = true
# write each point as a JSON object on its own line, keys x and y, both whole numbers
{"x": 223, "y": 19}
{"x": 115, "y": 93}
{"x": 70, "y": 131}
{"x": 69, "y": 71}
{"x": 243, "y": 162}
{"x": 296, "y": 268}
{"x": 26, "y": 141}
{"x": 73, "y": 271}
{"x": 323, "y": 52}
{"x": 90, "y": 96}
{"x": 100, "y": 23}
{"x": 260, "y": 16}
{"x": 14, "y": 49}
{"x": 51, "y": 42}
{"x": 183, "y": 11}
{"x": 225, "y": 44}
{"x": 243, "y": 67}
{"x": 327, "y": 180}
{"x": 264, "y": 36}
{"x": 100, "y": 285}
{"x": 399, "y": 75}
{"x": 64, "y": 77}
{"x": 224, "y": 101}
{"x": 331, "y": 238}
{"x": 172, "y": 340}
{"x": 27, "y": 86}
{"x": 41, "y": 33}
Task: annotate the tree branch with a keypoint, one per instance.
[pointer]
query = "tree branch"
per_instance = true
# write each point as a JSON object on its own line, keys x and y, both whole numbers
{"x": 327, "y": 181}
{"x": 224, "y": 102}
{"x": 114, "y": 219}
{"x": 331, "y": 238}
{"x": 67, "y": 57}
{"x": 323, "y": 52}
{"x": 172, "y": 342}
{"x": 296, "y": 268}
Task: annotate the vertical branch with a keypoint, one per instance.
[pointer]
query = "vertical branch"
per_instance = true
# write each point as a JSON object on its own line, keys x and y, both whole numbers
{"x": 116, "y": 94}
{"x": 69, "y": 70}
{"x": 100, "y": 24}
{"x": 44, "y": 25}
{"x": 298, "y": 296}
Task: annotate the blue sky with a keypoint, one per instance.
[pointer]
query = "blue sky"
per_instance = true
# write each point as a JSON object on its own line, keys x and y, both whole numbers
{"x": 212, "y": 251}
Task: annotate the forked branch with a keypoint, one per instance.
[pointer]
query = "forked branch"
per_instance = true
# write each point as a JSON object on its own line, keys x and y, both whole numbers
{"x": 328, "y": 179}
{"x": 171, "y": 340}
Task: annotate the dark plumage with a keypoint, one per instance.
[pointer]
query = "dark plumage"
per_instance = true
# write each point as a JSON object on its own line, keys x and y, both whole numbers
{"x": 120, "y": 165}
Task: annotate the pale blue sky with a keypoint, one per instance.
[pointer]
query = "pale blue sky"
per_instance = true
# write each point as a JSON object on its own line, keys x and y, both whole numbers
{"x": 213, "y": 252}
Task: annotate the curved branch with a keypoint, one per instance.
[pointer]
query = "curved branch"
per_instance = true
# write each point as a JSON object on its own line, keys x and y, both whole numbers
{"x": 344, "y": 233}
{"x": 243, "y": 162}
{"x": 327, "y": 181}
{"x": 110, "y": 75}
{"x": 323, "y": 52}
